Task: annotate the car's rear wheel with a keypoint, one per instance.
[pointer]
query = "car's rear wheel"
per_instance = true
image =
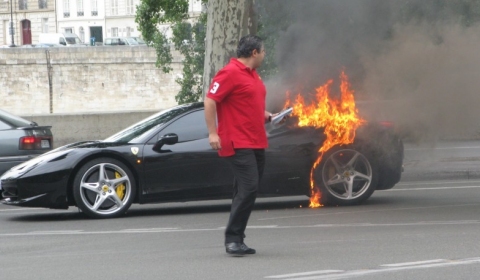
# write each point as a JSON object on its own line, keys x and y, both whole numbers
{"x": 346, "y": 177}
{"x": 104, "y": 188}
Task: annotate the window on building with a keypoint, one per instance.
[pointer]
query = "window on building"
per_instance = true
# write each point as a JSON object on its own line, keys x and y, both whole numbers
{"x": 42, "y": 4}
{"x": 66, "y": 8}
{"x": 114, "y": 31}
{"x": 114, "y": 4}
{"x": 80, "y": 8}
{"x": 69, "y": 30}
{"x": 82, "y": 34}
{"x": 44, "y": 25}
{"x": 130, "y": 7}
{"x": 94, "y": 5}
{"x": 23, "y": 4}
{"x": 129, "y": 31}
{"x": 6, "y": 26}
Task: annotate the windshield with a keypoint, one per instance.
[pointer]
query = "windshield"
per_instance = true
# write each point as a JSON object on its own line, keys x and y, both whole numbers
{"x": 131, "y": 41}
{"x": 73, "y": 40}
{"x": 139, "y": 40}
{"x": 135, "y": 131}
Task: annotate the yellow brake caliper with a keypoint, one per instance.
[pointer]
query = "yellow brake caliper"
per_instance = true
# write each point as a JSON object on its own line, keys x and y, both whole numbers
{"x": 120, "y": 187}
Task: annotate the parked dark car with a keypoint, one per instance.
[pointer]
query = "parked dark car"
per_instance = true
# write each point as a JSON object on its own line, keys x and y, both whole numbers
{"x": 21, "y": 140}
{"x": 167, "y": 157}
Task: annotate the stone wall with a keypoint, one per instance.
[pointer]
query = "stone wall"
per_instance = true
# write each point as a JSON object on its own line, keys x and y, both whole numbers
{"x": 69, "y": 128}
{"x": 85, "y": 80}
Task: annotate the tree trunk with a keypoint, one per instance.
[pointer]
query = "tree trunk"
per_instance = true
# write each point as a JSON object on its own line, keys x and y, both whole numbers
{"x": 228, "y": 21}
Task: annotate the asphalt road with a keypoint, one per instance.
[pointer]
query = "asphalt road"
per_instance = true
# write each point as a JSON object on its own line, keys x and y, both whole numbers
{"x": 421, "y": 229}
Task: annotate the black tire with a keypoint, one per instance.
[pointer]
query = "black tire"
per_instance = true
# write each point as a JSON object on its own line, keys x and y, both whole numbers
{"x": 109, "y": 197}
{"x": 345, "y": 180}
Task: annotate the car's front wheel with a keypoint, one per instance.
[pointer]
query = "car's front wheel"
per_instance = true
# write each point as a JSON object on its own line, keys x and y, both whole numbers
{"x": 104, "y": 188}
{"x": 346, "y": 177}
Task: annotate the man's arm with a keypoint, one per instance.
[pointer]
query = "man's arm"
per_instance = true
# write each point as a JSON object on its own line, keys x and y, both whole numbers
{"x": 211, "y": 119}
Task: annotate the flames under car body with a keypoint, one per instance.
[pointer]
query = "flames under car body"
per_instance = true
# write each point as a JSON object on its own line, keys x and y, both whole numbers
{"x": 188, "y": 169}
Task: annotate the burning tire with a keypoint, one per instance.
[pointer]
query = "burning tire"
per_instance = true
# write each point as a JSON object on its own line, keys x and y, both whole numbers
{"x": 104, "y": 188}
{"x": 346, "y": 177}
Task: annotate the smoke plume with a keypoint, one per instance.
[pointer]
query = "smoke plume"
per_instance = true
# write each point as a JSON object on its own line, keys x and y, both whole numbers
{"x": 416, "y": 63}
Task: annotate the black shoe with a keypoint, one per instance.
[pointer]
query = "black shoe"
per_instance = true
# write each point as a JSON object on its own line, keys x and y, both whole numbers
{"x": 239, "y": 249}
{"x": 247, "y": 250}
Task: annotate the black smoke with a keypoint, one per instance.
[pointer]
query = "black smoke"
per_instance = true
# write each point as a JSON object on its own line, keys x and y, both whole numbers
{"x": 413, "y": 62}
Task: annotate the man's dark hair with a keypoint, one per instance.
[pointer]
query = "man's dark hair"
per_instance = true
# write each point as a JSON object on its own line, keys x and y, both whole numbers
{"x": 247, "y": 44}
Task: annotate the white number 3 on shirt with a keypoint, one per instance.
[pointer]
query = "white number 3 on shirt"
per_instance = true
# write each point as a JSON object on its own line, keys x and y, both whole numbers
{"x": 214, "y": 88}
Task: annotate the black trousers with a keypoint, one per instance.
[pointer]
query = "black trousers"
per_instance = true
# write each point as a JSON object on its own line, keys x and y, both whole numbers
{"x": 247, "y": 166}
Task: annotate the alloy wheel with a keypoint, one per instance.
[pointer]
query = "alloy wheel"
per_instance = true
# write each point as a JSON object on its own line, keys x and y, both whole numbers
{"x": 347, "y": 174}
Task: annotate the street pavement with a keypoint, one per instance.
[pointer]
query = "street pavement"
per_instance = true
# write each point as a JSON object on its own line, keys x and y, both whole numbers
{"x": 427, "y": 227}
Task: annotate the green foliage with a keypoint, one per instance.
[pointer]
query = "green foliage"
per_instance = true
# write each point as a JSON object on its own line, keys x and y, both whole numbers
{"x": 190, "y": 41}
{"x": 187, "y": 39}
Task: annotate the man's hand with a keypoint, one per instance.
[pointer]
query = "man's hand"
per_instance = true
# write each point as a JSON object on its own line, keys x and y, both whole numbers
{"x": 214, "y": 141}
{"x": 210, "y": 118}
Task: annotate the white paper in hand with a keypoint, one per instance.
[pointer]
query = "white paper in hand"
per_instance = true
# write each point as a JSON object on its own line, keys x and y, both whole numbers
{"x": 278, "y": 118}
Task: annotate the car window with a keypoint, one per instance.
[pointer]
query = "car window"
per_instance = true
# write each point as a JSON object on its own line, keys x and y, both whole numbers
{"x": 4, "y": 126}
{"x": 72, "y": 40}
{"x": 139, "y": 40}
{"x": 13, "y": 120}
{"x": 189, "y": 127}
{"x": 131, "y": 41}
{"x": 145, "y": 127}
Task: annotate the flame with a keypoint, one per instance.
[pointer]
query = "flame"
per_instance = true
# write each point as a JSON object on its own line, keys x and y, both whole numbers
{"x": 338, "y": 117}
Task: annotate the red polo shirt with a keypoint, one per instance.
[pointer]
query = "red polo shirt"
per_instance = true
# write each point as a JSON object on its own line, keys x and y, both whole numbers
{"x": 240, "y": 96}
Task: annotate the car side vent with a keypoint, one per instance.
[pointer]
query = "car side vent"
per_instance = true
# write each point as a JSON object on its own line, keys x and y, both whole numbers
{"x": 58, "y": 158}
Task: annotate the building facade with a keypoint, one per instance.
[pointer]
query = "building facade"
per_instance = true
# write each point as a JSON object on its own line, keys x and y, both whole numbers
{"x": 104, "y": 18}
{"x": 86, "y": 18}
{"x": 30, "y": 18}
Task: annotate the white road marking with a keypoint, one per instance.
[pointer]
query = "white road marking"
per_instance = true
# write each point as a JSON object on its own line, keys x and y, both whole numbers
{"x": 414, "y": 263}
{"x": 369, "y": 211}
{"x": 383, "y": 269}
{"x": 440, "y": 148}
{"x": 48, "y": 232}
{"x": 148, "y": 229}
{"x": 267, "y": 227}
{"x": 416, "y": 183}
{"x": 318, "y": 272}
{"x": 25, "y": 209}
{"x": 434, "y": 188}
{"x": 260, "y": 227}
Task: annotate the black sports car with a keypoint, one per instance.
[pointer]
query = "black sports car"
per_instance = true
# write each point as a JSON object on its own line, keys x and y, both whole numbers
{"x": 167, "y": 157}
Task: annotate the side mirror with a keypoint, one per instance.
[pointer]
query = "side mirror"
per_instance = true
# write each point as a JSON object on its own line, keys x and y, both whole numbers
{"x": 167, "y": 139}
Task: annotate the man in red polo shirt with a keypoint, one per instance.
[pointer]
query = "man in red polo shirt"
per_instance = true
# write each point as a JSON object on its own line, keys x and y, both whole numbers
{"x": 237, "y": 100}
